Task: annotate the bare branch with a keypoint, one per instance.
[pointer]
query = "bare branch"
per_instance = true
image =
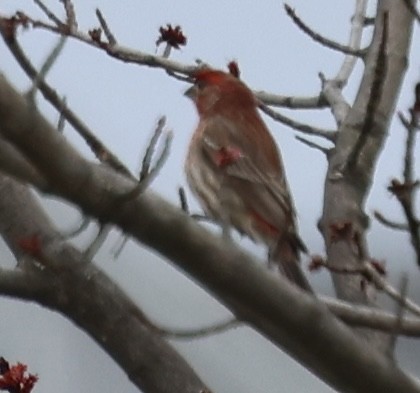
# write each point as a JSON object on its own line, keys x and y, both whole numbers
{"x": 405, "y": 191}
{"x": 410, "y": 5}
{"x": 332, "y": 89}
{"x": 13, "y": 163}
{"x": 304, "y": 128}
{"x": 197, "y": 333}
{"x": 77, "y": 230}
{"x": 399, "y": 311}
{"x": 313, "y": 145}
{"x": 320, "y": 39}
{"x": 374, "y": 98}
{"x": 70, "y": 14}
{"x": 267, "y": 303}
{"x": 369, "y": 271}
{"x": 89, "y": 298}
{"x": 116, "y": 51}
{"x": 389, "y": 223}
{"x": 98, "y": 148}
{"x": 61, "y": 118}
{"x": 97, "y": 242}
{"x": 45, "y": 68}
{"x": 50, "y": 15}
{"x": 148, "y": 155}
{"x": 147, "y": 174}
{"x": 105, "y": 27}
{"x": 183, "y": 200}
{"x": 393, "y": 293}
{"x": 409, "y": 149}
{"x": 358, "y": 22}
{"x": 119, "y": 245}
{"x": 369, "y": 317}
{"x": 315, "y": 102}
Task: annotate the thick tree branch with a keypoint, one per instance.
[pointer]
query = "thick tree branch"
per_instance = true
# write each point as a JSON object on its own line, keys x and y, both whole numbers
{"x": 76, "y": 288}
{"x": 14, "y": 164}
{"x": 255, "y": 296}
{"x": 345, "y": 194}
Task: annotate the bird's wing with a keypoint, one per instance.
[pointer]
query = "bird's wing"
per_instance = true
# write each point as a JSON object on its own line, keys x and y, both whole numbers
{"x": 244, "y": 162}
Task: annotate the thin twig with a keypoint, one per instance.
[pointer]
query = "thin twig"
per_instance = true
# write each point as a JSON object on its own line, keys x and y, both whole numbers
{"x": 313, "y": 145}
{"x": 399, "y": 312}
{"x": 70, "y": 15}
{"x": 119, "y": 52}
{"x": 374, "y": 318}
{"x": 382, "y": 284}
{"x": 196, "y": 216}
{"x": 358, "y": 23}
{"x": 367, "y": 270}
{"x": 409, "y": 149}
{"x": 332, "y": 88}
{"x": 319, "y": 38}
{"x": 105, "y": 27}
{"x": 147, "y": 175}
{"x": 389, "y": 223}
{"x": 183, "y": 200}
{"x": 204, "y": 218}
{"x": 77, "y": 230}
{"x": 162, "y": 157}
{"x": 150, "y": 150}
{"x": 406, "y": 198}
{"x": 97, "y": 242}
{"x": 304, "y": 128}
{"x": 117, "y": 249}
{"x": 45, "y": 68}
{"x": 61, "y": 118}
{"x": 50, "y": 15}
{"x": 175, "y": 69}
{"x": 189, "y": 334}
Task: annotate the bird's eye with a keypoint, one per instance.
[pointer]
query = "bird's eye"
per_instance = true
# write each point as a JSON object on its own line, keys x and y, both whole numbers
{"x": 200, "y": 84}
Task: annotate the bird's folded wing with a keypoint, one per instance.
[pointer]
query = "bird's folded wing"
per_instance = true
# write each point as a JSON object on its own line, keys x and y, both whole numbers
{"x": 220, "y": 138}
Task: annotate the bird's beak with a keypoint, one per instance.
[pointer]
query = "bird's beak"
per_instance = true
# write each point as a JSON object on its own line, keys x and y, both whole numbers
{"x": 191, "y": 92}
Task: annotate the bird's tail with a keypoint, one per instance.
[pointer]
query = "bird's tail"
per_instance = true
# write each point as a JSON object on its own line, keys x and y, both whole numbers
{"x": 286, "y": 256}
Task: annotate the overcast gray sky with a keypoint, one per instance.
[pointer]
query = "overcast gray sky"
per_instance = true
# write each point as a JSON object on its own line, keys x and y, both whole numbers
{"x": 122, "y": 103}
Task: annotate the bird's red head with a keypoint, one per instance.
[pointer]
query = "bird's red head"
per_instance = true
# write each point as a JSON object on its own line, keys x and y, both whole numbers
{"x": 214, "y": 90}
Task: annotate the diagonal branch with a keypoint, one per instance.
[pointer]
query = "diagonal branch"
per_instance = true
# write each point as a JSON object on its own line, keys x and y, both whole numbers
{"x": 304, "y": 128}
{"x": 50, "y": 15}
{"x": 267, "y": 303}
{"x": 411, "y": 6}
{"x": 97, "y": 147}
{"x": 319, "y": 38}
{"x": 389, "y": 223}
{"x": 356, "y": 33}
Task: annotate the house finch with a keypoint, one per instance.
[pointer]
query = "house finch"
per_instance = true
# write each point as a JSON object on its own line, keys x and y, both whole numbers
{"x": 235, "y": 170}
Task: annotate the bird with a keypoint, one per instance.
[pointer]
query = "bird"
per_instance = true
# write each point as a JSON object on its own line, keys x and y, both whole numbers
{"x": 235, "y": 170}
